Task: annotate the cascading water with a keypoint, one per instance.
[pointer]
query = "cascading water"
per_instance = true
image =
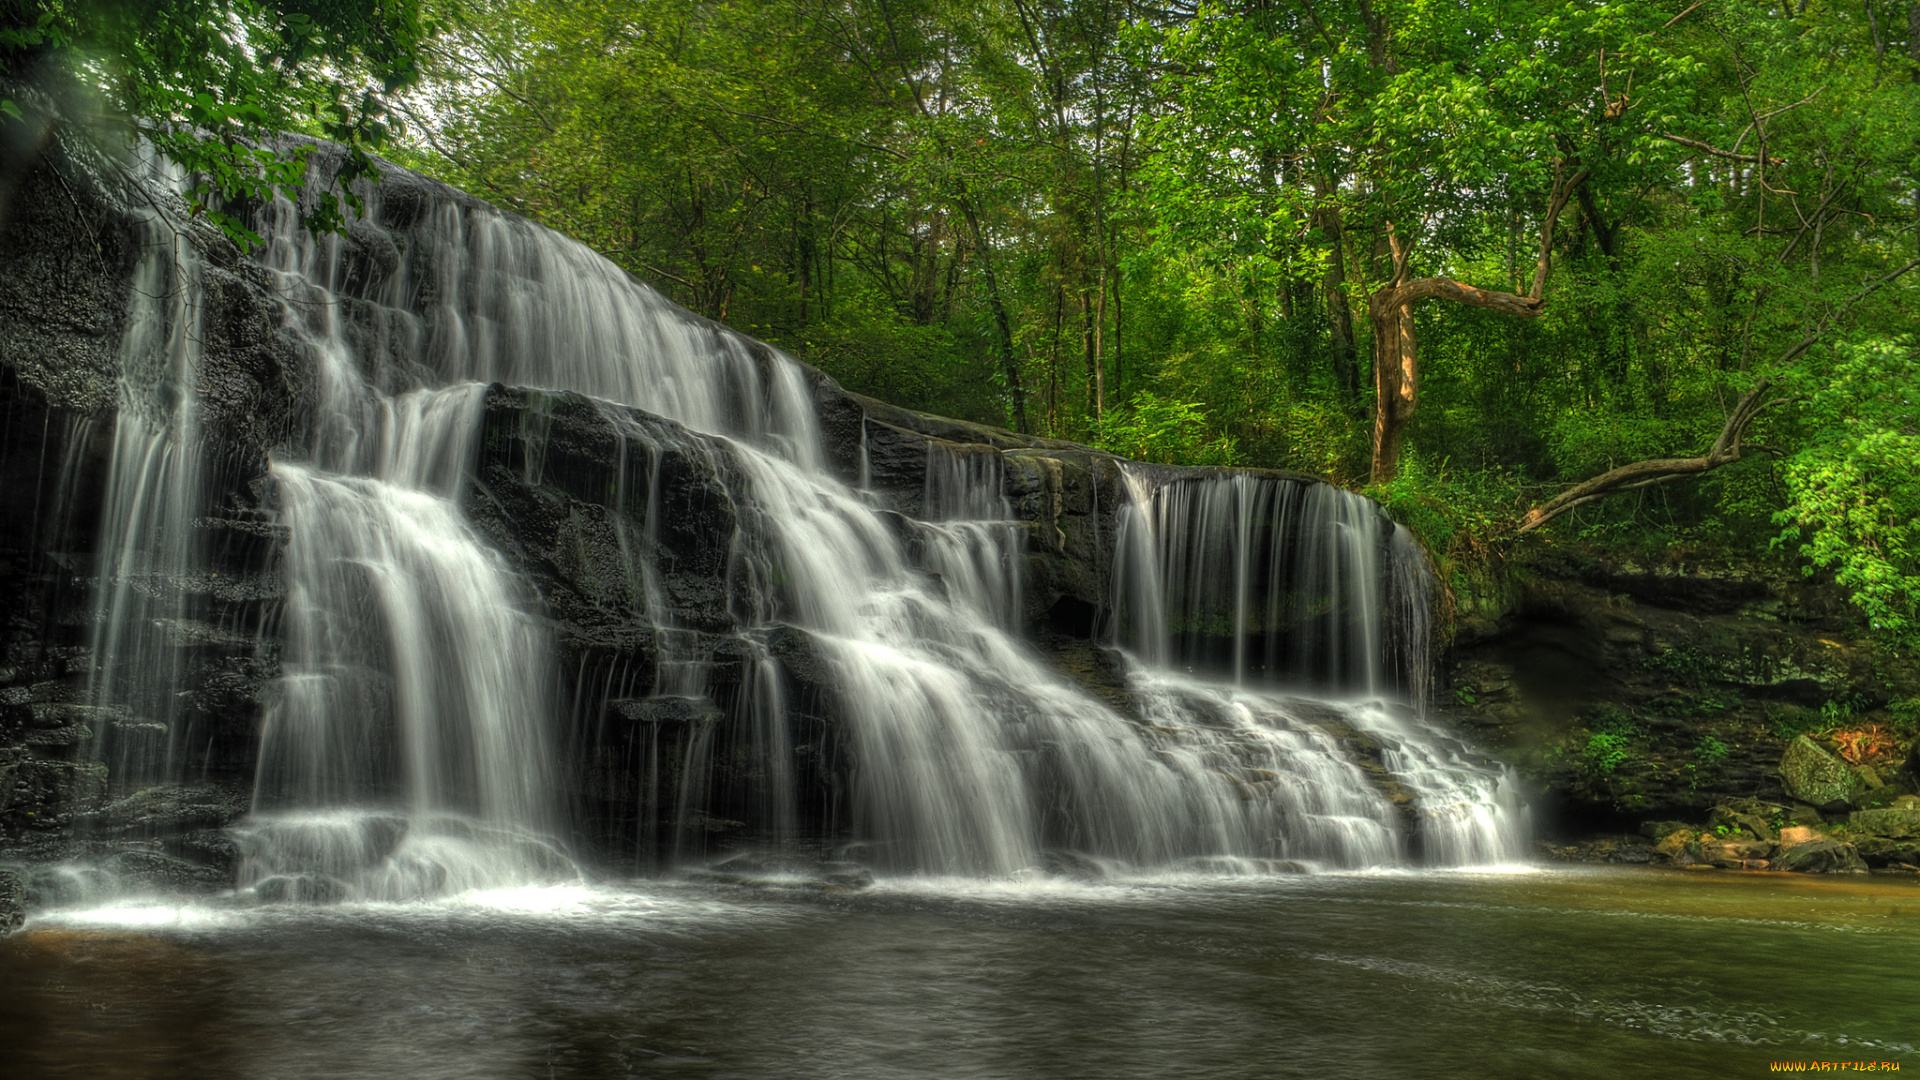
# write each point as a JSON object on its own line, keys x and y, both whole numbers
{"x": 153, "y": 498}
{"x": 1277, "y": 583}
{"x": 411, "y": 750}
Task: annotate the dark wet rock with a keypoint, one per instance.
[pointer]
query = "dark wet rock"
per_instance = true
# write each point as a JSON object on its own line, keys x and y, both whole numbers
{"x": 809, "y": 670}
{"x": 173, "y": 808}
{"x": 1728, "y": 820}
{"x": 766, "y": 868}
{"x": 300, "y": 889}
{"x": 1819, "y": 856}
{"x": 67, "y": 884}
{"x": 1660, "y": 830}
{"x": 1888, "y": 853}
{"x": 13, "y": 901}
{"x": 1890, "y": 796}
{"x": 215, "y": 849}
{"x": 1697, "y": 675}
{"x": 46, "y": 794}
{"x": 668, "y": 710}
{"x": 68, "y": 255}
{"x": 1609, "y": 850}
{"x": 1059, "y": 862}
{"x": 156, "y": 871}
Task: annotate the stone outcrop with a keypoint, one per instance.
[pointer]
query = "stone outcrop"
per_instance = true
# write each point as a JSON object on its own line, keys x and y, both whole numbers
{"x": 1817, "y": 778}
{"x": 1628, "y": 693}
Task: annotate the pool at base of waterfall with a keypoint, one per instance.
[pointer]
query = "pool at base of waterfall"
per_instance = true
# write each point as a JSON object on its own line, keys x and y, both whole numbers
{"x": 1523, "y": 973}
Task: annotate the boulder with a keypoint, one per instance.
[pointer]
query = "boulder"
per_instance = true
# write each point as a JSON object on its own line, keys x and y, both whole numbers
{"x": 1733, "y": 822}
{"x": 1820, "y": 857}
{"x": 1886, "y": 852}
{"x": 1680, "y": 847}
{"x": 168, "y": 809}
{"x": 1892, "y": 795}
{"x": 1895, "y": 823}
{"x": 1800, "y": 834}
{"x": 1817, "y": 778}
{"x": 1735, "y": 854}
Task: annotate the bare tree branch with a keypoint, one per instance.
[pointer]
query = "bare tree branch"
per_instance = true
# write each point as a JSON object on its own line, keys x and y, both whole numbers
{"x": 1726, "y": 448}
{"x": 1695, "y": 144}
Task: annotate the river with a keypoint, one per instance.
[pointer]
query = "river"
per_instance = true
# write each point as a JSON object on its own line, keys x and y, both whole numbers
{"x": 1524, "y": 974}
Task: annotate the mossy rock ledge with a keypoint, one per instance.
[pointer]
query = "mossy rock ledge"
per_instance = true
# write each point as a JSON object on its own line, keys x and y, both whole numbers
{"x": 1626, "y": 693}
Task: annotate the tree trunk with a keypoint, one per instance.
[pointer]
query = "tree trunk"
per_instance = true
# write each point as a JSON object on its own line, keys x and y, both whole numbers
{"x": 1346, "y": 368}
{"x": 1396, "y": 353}
{"x": 1002, "y": 325}
{"x": 1396, "y": 357}
{"x": 1396, "y": 377}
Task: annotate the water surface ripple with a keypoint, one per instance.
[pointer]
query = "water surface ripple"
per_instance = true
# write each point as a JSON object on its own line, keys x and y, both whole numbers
{"x": 1390, "y": 974}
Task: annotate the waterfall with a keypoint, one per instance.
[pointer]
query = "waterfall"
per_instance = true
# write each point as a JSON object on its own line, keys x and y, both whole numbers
{"x": 1275, "y": 585}
{"x": 416, "y": 740}
{"x": 149, "y": 544}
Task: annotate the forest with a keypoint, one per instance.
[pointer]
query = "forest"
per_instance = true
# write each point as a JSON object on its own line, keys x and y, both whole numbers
{"x": 1642, "y": 265}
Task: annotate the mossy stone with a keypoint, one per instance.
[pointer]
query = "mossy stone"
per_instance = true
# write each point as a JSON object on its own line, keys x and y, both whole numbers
{"x": 1895, "y": 823}
{"x": 1817, "y": 778}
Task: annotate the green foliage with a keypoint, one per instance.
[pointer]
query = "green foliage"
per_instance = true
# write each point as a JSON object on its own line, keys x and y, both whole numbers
{"x": 1453, "y": 511}
{"x": 1710, "y": 751}
{"x": 1168, "y": 432}
{"x": 1685, "y": 663}
{"x": 1837, "y": 712}
{"x": 1611, "y": 741}
{"x": 1906, "y": 716}
{"x": 1854, "y": 491}
{"x": 1791, "y": 721}
{"x": 207, "y": 80}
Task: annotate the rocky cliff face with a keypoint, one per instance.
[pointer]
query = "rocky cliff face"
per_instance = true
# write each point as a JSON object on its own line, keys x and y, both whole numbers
{"x": 69, "y": 768}
{"x": 1634, "y": 694}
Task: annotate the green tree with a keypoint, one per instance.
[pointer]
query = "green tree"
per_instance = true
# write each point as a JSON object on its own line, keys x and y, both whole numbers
{"x": 210, "y": 83}
{"x": 1854, "y": 504}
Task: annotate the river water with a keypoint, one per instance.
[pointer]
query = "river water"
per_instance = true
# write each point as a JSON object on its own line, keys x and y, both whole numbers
{"x": 1529, "y": 973}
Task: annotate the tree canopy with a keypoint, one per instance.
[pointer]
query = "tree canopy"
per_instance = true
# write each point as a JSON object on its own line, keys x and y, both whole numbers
{"x": 1630, "y": 270}
{"x": 209, "y": 82}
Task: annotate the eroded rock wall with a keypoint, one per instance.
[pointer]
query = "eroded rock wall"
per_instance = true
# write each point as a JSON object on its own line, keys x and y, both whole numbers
{"x": 1630, "y": 692}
